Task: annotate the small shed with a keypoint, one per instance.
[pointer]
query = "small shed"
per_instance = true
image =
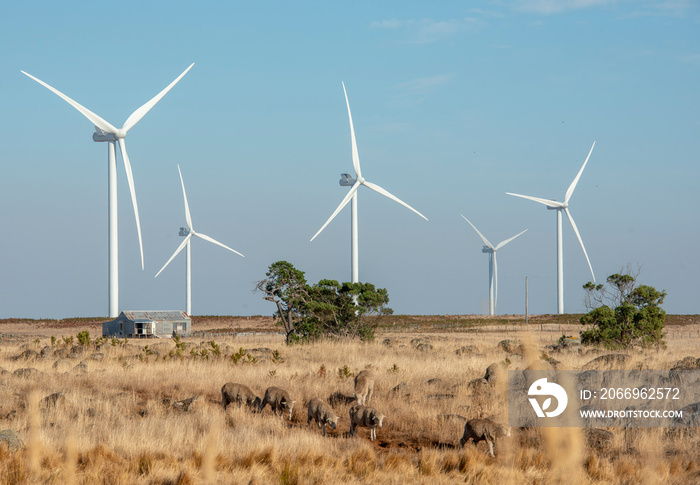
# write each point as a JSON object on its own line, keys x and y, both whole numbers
{"x": 148, "y": 324}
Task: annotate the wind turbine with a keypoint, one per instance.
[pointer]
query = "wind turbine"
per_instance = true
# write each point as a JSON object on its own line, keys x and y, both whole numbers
{"x": 490, "y": 249}
{"x": 559, "y": 207}
{"x": 105, "y": 132}
{"x": 347, "y": 180}
{"x": 188, "y": 232}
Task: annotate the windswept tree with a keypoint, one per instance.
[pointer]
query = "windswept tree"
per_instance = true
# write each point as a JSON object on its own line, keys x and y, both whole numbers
{"x": 286, "y": 287}
{"x": 623, "y": 313}
{"x": 327, "y": 309}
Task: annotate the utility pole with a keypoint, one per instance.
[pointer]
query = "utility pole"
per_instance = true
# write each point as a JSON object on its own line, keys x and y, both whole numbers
{"x": 527, "y": 316}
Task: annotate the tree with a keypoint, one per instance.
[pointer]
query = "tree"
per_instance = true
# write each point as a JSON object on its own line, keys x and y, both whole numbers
{"x": 327, "y": 309}
{"x": 637, "y": 317}
{"x": 286, "y": 287}
{"x": 339, "y": 309}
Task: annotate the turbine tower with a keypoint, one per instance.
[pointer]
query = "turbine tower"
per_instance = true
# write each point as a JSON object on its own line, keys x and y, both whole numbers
{"x": 105, "y": 132}
{"x": 559, "y": 207}
{"x": 355, "y": 183}
{"x": 490, "y": 249}
{"x": 188, "y": 232}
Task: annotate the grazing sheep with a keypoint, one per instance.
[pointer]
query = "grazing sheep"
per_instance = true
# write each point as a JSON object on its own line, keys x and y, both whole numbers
{"x": 367, "y": 417}
{"x": 279, "y": 401}
{"x": 241, "y": 394}
{"x": 322, "y": 413}
{"x": 364, "y": 387}
{"x": 483, "y": 429}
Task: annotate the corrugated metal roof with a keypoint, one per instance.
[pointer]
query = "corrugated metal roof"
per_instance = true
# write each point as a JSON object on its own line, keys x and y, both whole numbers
{"x": 156, "y": 315}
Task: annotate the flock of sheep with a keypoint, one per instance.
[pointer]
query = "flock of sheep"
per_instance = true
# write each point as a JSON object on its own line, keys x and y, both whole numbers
{"x": 360, "y": 415}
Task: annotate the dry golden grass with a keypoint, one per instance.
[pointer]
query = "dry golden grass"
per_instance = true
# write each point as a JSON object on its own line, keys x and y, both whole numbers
{"x": 116, "y": 424}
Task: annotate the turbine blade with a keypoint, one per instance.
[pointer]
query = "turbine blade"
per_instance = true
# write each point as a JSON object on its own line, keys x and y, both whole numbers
{"x": 344, "y": 202}
{"x": 177, "y": 251}
{"x": 355, "y": 156}
{"x": 141, "y": 112}
{"x": 486, "y": 241}
{"x": 571, "y": 188}
{"x": 573, "y": 224}
{"x": 132, "y": 189}
{"x": 547, "y": 202}
{"x": 188, "y": 218}
{"x": 212, "y": 240}
{"x": 96, "y": 120}
{"x": 380, "y": 190}
{"x": 503, "y": 243}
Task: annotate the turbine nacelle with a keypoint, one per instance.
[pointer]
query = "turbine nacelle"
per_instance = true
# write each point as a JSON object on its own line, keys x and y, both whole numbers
{"x": 97, "y": 137}
{"x": 487, "y": 249}
{"x": 101, "y": 135}
{"x": 184, "y": 231}
{"x": 346, "y": 180}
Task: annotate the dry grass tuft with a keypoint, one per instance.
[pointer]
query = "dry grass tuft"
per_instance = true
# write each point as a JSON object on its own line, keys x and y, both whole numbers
{"x": 362, "y": 462}
{"x": 598, "y": 468}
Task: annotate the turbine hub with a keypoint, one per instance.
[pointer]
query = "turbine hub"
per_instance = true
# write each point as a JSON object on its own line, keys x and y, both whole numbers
{"x": 120, "y": 133}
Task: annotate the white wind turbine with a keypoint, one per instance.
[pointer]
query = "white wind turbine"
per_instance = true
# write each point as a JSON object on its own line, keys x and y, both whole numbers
{"x": 352, "y": 194}
{"x": 563, "y": 206}
{"x": 188, "y": 232}
{"x": 490, "y": 249}
{"x": 105, "y": 132}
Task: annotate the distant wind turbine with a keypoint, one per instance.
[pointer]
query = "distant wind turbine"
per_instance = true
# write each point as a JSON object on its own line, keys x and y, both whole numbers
{"x": 105, "y": 132}
{"x": 563, "y": 206}
{"x": 490, "y": 249}
{"x": 188, "y": 232}
{"x": 347, "y": 180}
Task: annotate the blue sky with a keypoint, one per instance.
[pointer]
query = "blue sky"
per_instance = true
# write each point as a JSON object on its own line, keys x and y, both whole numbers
{"x": 454, "y": 105}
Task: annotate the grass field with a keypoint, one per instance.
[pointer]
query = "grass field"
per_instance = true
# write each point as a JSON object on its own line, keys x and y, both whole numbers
{"x": 120, "y": 419}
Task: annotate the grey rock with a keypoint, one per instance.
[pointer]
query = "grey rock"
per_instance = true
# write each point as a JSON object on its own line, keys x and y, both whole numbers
{"x": 599, "y": 439}
{"x": 608, "y": 361}
{"x": 467, "y": 350}
{"x": 424, "y": 347}
{"x": 26, "y": 373}
{"x": 338, "y": 398}
{"x": 28, "y": 355}
{"x": 401, "y": 389}
{"x": 11, "y": 439}
{"x": 185, "y": 404}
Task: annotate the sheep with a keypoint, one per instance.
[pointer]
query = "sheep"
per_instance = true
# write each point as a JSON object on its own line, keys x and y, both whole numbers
{"x": 241, "y": 394}
{"x": 322, "y": 413}
{"x": 483, "y": 429}
{"x": 367, "y": 417}
{"x": 279, "y": 401}
{"x": 364, "y": 387}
